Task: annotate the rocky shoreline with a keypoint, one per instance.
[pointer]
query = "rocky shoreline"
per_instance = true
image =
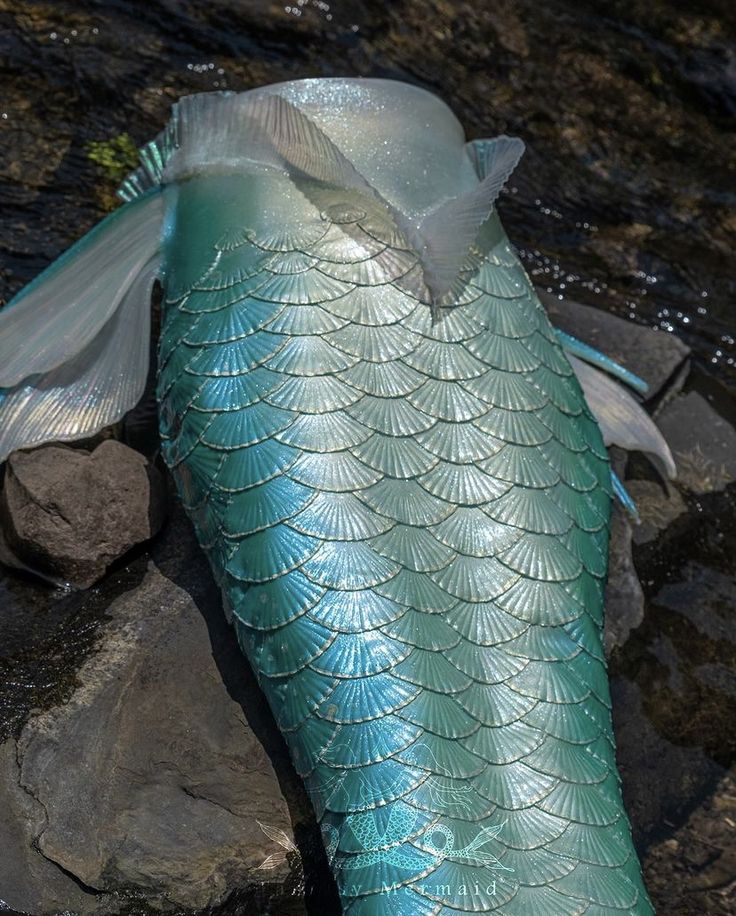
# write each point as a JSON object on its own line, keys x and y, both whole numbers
{"x": 624, "y": 198}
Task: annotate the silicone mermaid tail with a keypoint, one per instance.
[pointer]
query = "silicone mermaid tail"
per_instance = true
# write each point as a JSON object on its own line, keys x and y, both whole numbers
{"x": 391, "y": 465}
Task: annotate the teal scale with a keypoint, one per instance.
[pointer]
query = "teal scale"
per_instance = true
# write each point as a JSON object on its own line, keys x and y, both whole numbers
{"x": 404, "y": 496}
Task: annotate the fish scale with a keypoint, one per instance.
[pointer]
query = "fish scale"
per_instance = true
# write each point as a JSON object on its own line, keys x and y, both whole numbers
{"x": 391, "y": 466}
{"x": 440, "y": 708}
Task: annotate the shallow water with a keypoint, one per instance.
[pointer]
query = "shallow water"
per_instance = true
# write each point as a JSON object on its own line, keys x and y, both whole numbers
{"x": 624, "y": 200}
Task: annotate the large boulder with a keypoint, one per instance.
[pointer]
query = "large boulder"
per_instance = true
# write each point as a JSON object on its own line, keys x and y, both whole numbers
{"x": 150, "y": 779}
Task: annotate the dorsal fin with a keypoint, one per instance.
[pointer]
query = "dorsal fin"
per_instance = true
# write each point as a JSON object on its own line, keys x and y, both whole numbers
{"x": 216, "y": 131}
{"x": 451, "y": 228}
{"x": 304, "y": 147}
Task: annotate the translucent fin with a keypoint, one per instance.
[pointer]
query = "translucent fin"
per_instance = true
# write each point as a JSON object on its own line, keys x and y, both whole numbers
{"x": 623, "y": 422}
{"x": 451, "y": 228}
{"x": 91, "y": 390}
{"x": 276, "y": 134}
{"x": 585, "y": 352}
{"x": 61, "y": 312}
{"x": 267, "y": 131}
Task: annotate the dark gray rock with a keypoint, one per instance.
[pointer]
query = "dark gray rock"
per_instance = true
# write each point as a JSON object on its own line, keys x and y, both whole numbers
{"x": 624, "y": 597}
{"x": 699, "y": 855}
{"x": 27, "y": 879}
{"x": 658, "y": 774}
{"x": 717, "y": 677}
{"x": 706, "y": 598}
{"x": 702, "y": 442}
{"x": 149, "y": 779}
{"x": 655, "y": 356}
{"x": 658, "y": 507}
{"x": 67, "y": 513}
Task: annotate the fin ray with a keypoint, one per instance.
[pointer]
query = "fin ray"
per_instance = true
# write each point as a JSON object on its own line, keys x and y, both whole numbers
{"x": 590, "y": 355}
{"x": 93, "y": 389}
{"x": 449, "y": 230}
{"x": 623, "y": 422}
{"x": 57, "y": 315}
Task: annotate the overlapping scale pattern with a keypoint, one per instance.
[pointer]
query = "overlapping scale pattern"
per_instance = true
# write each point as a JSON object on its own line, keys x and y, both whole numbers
{"x": 407, "y": 510}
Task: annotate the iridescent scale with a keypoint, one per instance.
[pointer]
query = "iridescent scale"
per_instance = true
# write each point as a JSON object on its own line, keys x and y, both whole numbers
{"x": 407, "y": 510}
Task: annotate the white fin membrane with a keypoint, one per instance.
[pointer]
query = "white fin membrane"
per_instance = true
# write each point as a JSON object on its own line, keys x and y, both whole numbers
{"x": 218, "y": 132}
{"x": 622, "y": 420}
{"x": 268, "y": 131}
{"x": 97, "y": 299}
{"x": 93, "y": 389}
{"x": 451, "y": 228}
{"x": 60, "y": 312}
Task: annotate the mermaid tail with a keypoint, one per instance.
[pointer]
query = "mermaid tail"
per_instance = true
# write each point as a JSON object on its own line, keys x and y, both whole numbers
{"x": 404, "y": 498}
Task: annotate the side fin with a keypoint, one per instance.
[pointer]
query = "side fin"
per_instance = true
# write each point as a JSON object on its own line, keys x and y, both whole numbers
{"x": 451, "y": 228}
{"x": 59, "y": 313}
{"x": 74, "y": 343}
{"x": 154, "y": 157}
{"x": 624, "y": 497}
{"x": 585, "y": 352}
{"x": 622, "y": 420}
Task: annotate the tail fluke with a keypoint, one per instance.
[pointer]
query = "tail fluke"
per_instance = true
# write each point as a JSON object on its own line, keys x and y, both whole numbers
{"x": 281, "y": 137}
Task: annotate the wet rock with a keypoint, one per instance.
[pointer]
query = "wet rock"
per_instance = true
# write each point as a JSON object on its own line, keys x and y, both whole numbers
{"x": 149, "y": 780}
{"x": 703, "y": 443}
{"x": 25, "y": 876}
{"x": 655, "y": 356}
{"x": 658, "y": 507}
{"x": 700, "y": 857}
{"x": 624, "y": 600}
{"x": 706, "y": 598}
{"x": 659, "y": 775}
{"x": 717, "y": 677}
{"x": 68, "y": 513}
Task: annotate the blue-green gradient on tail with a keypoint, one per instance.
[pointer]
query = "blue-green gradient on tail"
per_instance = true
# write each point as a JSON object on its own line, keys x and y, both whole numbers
{"x": 403, "y": 494}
